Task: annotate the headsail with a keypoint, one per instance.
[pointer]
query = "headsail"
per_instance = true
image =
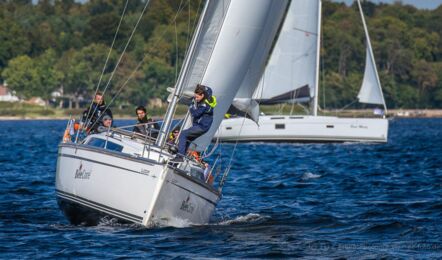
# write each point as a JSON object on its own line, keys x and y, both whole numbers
{"x": 293, "y": 61}
{"x": 234, "y": 43}
{"x": 371, "y": 89}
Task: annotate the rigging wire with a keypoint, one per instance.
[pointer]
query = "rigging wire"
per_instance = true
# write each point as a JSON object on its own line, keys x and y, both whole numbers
{"x": 105, "y": 64}
{"x": 229, "y": 165}
{"x": 344, "y": 107}
{"x": 124, "y": 51}
{"x": 188, "y": 23}
{"x": 292, "y": 108}
{"x": 215, "y": 146}
{"x": 194, "y": 27}
{"x": 176, "y": 45}
{"x": 141, "y": 62}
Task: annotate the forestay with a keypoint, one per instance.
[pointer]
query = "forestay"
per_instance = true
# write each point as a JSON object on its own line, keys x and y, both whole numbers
{"x": 232, "y": 50}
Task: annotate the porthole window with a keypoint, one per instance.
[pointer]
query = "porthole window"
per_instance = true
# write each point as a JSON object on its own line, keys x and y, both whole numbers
{"x": 279, "y": 126}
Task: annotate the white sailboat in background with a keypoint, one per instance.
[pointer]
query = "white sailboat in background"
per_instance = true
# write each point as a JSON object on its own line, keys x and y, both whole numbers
{"x": 292, "y": 75}
{"x": 129, "y": 177}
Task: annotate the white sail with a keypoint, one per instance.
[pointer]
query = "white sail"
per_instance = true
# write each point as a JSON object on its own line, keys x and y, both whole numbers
{"x": 293, "y": 61}
{"x": 233, "y": 43}
{"x": 211, "y": 28}
{"x": 285, "y": 80}
{"x": 371, "y": 89}
{"x": 244, "y": 100}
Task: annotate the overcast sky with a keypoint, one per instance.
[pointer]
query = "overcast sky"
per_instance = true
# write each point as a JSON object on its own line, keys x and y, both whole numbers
{"x": 424, "y": 4}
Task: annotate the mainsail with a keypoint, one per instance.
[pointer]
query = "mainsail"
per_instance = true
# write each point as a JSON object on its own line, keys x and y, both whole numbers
{"x": 292, "y": 64}
{"x": 231, "y": 50}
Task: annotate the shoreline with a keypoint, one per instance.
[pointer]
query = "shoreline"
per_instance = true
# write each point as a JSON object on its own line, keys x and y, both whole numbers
{"x": 392, "y": 113}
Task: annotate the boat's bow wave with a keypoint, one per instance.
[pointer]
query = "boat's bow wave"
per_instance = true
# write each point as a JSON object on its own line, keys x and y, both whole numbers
{"x": 169, "y": 222}
{"x": 173, "y": 222}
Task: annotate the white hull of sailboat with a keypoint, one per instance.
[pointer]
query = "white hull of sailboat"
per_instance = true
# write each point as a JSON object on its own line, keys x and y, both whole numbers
{"x": 304, "y": 129}
{"x": 92, "y": 183}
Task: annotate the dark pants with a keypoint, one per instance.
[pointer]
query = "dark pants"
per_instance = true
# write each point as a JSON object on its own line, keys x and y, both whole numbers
{"x": 187, "y": 136}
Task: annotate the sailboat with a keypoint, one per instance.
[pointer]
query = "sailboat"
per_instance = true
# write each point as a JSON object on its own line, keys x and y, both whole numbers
{"x": 291, "y": 76}
{"x": 132, "y": 178}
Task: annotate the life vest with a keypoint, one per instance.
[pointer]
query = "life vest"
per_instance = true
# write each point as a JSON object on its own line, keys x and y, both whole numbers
{"x": 195, "y": 155}
{"x": 211, "y": 104}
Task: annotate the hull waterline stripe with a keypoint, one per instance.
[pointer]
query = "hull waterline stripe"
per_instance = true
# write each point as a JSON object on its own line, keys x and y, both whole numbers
{"x": 91, "y": 207}
{"x": 99, "y": 207}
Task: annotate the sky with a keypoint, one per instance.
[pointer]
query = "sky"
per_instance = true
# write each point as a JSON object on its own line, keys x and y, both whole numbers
{"x": 423, "y": 4}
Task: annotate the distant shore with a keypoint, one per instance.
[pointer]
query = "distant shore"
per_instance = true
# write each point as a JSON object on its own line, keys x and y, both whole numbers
{"x": 397, "y": 113}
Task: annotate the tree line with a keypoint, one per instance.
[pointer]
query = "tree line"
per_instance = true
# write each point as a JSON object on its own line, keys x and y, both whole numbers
{"x": 64, "y": 45}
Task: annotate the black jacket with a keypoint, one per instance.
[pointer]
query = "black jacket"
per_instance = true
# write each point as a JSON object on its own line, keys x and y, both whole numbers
{"x": 95, "y": 112}
{"x": 150, "y": 128}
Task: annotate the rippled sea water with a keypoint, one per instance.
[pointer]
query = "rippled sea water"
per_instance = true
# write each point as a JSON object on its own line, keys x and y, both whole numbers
{"x": 280, "y": 200}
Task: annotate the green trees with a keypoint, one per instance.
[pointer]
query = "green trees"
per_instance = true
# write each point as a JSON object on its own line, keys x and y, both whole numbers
{"x": 64, "y": 45}
{"x": 406, "y": 44}
{"x": 21, "y": 75}
{"x": 33, "y": 77}
{"x": 13, "y": 41}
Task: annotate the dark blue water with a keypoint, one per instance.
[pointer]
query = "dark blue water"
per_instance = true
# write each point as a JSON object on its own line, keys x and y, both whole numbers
{"x": 281, "y": 200}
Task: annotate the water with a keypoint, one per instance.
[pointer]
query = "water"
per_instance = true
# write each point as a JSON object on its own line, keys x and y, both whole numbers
{"x": 281, "y": 200}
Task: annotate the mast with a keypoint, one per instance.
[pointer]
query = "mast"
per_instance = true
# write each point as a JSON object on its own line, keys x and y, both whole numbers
{"x": 371, "y": 55}
{"x": 180, "y": 83}
{"x": 318, "y": 52}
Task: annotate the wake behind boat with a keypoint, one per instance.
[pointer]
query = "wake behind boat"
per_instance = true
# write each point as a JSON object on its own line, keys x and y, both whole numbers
{"x": 292, "y": 76}
{"x": 134, "y": 178}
